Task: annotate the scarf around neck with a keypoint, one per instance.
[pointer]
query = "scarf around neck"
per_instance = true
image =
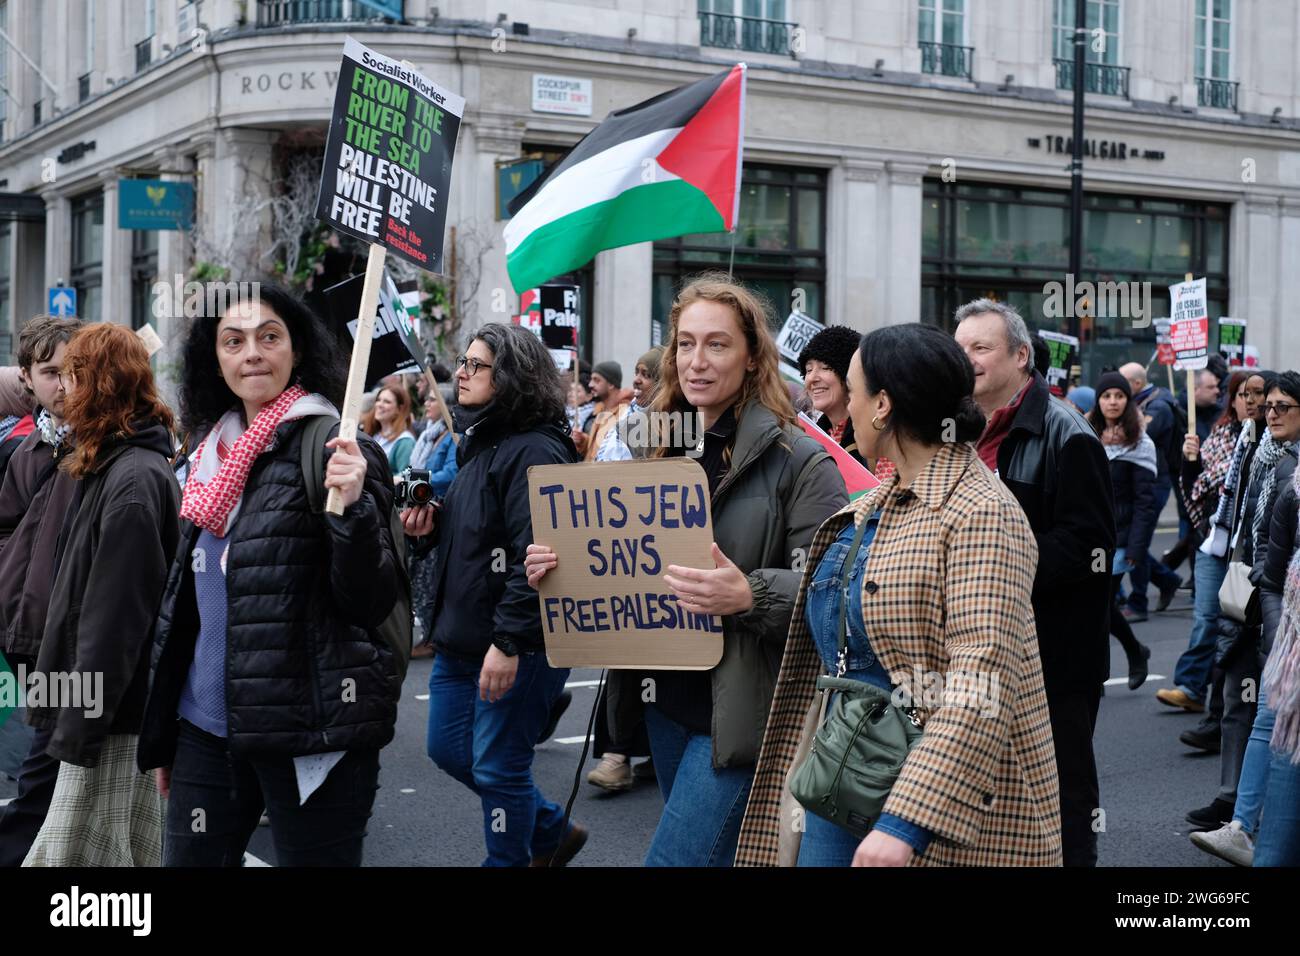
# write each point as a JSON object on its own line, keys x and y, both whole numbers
{"x": 1216, "y": 542}
{"x": 51, "y": 434}
{"x": 221, "y": 464}
{"x": 1281, "y": 680}
{"x": 1269, "y": 454}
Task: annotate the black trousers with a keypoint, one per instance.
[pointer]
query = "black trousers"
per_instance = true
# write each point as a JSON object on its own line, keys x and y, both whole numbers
{"x": 216, "y": 801}
{"x": 1074, "y": 718}
{"x": 21, "y": 820}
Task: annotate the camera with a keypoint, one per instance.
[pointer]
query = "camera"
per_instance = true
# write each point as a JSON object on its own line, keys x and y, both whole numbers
{"x": 412, "y": 488}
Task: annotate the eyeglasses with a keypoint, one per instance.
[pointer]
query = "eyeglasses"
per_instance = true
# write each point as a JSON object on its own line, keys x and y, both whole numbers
{"x": 1279, "y": 408}
{"x": 472, "y": 364}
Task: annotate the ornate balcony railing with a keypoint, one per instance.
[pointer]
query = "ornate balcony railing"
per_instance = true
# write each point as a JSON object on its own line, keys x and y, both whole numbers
{"x": 1097, "y": 78}
{"x": 1219, "y": 94}
{"x": 752, "y": 34}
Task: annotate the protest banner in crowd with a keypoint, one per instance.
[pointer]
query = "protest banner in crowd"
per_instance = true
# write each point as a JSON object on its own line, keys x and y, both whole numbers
{"x": 561, "y": 319}
{"x": 796, "y": 333}
{"x": 1064, "y": 352}
{"x": 615, "y": 528}
{"x": 1232, "y": 341}
{"x": 393, "y": 346}
{"x": 1189, "y": 334}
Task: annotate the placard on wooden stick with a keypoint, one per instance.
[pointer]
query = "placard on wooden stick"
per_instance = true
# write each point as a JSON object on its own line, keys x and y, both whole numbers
{"x": 616, "y": 527}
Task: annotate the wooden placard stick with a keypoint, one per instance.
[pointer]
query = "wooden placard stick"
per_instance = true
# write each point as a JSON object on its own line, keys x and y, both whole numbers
{"x": 1191, "y": 392}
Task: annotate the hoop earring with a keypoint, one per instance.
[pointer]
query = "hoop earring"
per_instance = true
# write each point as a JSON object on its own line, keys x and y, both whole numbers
{"x": 877, "y": 424}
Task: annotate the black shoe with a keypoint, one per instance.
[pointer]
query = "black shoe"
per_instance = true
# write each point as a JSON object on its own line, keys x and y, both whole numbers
{"x": 1167, "y": 594}
{"x": 1137, "y": 670}
{"x": 573, "y": 841}
{"x": 644, "y": 770}
{"x": 557, "y": 711}
{"x": 1212, "y": 817}
{"x": 1201, "y": 739}
{"x": 1189, "y": 585}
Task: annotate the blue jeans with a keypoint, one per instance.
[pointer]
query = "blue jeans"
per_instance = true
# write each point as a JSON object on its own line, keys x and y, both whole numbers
{"x": 489, "y": 748}
{"x": 703, "y": 807}
{"x": 1192, "y": 672}
{"x": 1254, "y": 767}
{"x": 1153, "y": 569}
{"x": 825, "y": 844}
{"x": 1279, "y": 831}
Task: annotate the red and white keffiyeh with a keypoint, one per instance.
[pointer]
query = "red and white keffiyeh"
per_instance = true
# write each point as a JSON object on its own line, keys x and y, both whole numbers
{"x": 222, "y": 462}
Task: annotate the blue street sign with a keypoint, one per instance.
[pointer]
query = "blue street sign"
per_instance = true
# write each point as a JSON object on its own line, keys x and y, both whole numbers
{"x": 385, "y": 8}
{"x": 63, "y": 301}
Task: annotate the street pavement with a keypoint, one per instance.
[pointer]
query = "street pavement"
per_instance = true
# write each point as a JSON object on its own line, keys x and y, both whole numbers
{"x": 1148, "y": 779}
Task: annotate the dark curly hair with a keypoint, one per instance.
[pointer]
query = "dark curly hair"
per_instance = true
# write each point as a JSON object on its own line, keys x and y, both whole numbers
{"x": 833, "y": 346}
{"x": 529, "y": 390}
{"x": 318, "y": 360}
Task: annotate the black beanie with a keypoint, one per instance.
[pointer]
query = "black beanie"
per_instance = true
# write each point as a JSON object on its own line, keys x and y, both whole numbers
{"x": 1114, "y": 380}
{"x": 833, "y": 346}
{"x": 611, "y": 372}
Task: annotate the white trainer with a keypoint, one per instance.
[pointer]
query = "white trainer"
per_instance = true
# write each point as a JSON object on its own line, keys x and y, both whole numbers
{"x": 1230, "y": 842}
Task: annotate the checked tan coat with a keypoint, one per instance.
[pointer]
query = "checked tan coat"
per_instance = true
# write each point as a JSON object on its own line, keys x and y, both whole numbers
{"x": 946, "y": 590}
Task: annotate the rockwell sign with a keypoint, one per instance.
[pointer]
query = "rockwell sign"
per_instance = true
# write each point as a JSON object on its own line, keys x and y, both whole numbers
{"x": 287, "y": 81}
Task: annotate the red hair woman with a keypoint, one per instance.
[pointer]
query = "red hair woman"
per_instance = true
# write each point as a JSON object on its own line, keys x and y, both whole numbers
{"x": 105, "y": 812}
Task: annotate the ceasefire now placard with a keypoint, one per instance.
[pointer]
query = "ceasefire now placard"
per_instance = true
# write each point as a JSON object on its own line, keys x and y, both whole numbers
{"x": 388, "y": 158}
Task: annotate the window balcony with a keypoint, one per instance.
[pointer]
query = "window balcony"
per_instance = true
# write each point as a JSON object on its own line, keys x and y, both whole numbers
{"x": 143, "y": 54}
{"x": 1218, "y": 94}
{"x": 275, "y": 13}
{"x": 947, "y": 59}
{"x": 752, "y": 34}
{"x": 83, "y": 88}
{"x": 1097, "y": 78}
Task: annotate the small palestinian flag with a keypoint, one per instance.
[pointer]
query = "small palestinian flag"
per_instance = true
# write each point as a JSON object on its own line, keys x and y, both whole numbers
{"x": 667, "y": 167}
{"x": 857, "y": 479}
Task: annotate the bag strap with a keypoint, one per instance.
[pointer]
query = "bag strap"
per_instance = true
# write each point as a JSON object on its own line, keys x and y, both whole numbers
{"x": 313, "y": 475}
{"x": 845, "y": 573}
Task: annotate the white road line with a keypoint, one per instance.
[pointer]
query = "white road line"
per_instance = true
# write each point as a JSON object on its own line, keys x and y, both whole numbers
{"x": 250, "y": 860}
{"x": 1116, "y": 681}
{"x": 569, "y": 740}
{"x": 421, "y": 696}
{"x": 582, "y": 683}
{"x": 5, "y": 801}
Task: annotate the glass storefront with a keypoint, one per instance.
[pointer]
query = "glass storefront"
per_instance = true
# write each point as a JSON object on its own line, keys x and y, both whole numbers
{"x": 1010, "y": 242}
{"x": 779, "y": 246}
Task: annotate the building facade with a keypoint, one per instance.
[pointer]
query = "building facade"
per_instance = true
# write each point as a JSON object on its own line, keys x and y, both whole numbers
{"x": 901, "y": 156}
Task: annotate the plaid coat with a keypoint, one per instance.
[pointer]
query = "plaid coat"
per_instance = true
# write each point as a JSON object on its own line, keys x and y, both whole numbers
{"x": 946, "y": 592}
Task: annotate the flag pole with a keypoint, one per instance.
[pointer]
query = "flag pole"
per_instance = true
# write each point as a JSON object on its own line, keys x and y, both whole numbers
{"x": 1191, "y": 390}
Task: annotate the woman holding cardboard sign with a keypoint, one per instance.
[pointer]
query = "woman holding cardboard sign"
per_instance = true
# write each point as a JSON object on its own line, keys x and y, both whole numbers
{"x": 770, "y": 487}
{"x": 916, "y": 600}
{"x": 492, "y": 691}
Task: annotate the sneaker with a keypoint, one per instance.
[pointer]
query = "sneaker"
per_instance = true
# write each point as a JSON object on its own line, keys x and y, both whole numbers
{"x": 1178, "y": 698}
{"x": 1132, "y": 616}
{"x": 573, "y": 841}
{"x": 1230, "y": 842}
{"x": 614, "y": 772}
{"x": 645, "y": 770}
{"x": 1167, "y": 594}
{"x": 557, "y": 711}
{"x": 1201, "y": 739}
{"x": 1217, "y": 814}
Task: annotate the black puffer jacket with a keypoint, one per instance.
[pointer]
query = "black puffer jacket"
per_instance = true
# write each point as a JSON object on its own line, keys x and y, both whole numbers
{"x": 1270, "y": 575}
{"x": 305, "y": 671}
{"x": 478, "y": 597}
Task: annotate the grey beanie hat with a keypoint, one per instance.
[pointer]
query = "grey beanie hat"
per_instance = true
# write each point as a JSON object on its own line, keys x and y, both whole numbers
{"x": 611, "y": 372}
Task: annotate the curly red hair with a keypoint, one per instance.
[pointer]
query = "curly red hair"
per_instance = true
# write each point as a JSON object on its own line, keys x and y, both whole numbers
{"x": 115, "y": 391}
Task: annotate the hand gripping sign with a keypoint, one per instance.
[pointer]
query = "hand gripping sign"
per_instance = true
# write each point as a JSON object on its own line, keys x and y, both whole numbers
{"x": 615, "y": 527}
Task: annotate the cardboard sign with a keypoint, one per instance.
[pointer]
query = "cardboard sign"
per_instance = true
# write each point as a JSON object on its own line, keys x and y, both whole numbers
{"x": 1232, "y": 341}
{"x": 1064, "y": 352}
{"x": 387, "y": 169}
{"x": 1164, "y": 348}
{"x": 1189, "y": 330}
{"x": 393, "y": 346}
{"x": 795, "y": 336}
{"x": 615, "y": 527}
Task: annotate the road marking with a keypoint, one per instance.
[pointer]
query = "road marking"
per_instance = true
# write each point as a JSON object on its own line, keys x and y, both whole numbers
{"x": 5, "y": 801}
{"x": 250, "y": 860}
{"x": 407, "y": 790}
{"x": 421, "y": 696}
{"x": 571, "y": 740}
{"x": 1116, "y": 681}
{"x": 583, "y": 683}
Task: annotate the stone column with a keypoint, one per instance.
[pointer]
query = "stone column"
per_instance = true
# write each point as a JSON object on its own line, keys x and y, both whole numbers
{"x": 58, "y": 239}
{"x": 116, "y": 282}
{"x": 474, "y": 195}
{"x": 901, "y": 237}
{"x": 855, "y": 250}
{"x": 1256, "y": 274}
{"x": 620, "y": 314}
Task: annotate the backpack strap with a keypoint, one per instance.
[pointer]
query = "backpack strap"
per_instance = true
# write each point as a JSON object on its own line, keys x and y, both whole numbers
{"x": 315, "y": 434}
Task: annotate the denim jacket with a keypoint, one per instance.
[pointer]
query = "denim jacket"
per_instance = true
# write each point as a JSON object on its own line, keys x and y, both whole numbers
{"x": 822, "y": 611}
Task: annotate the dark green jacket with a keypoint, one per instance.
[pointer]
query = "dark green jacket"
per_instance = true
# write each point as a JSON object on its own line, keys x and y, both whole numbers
{"x": 781, "y": 486}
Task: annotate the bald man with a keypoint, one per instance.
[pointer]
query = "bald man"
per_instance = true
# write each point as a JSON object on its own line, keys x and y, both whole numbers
{"x": 1165, "y": 425}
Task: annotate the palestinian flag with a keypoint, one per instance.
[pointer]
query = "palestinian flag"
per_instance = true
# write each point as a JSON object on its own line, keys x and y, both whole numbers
{"x": 857, "y": 479}
{"x": 667, "y": 167}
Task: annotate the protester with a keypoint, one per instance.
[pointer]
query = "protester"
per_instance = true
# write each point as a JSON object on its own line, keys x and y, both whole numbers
{"x": 645, "y": 379}
{"x": 435, "y": 452}
{"x": 825, "y": 366}
{"x": 1234, "y": 841}
{"x": 1239, "y": 643}
{"x": 104, "y": 812}
{"x": 940, "y": 586}
{"x": 1205, "y": 470}
{"x": 1165, "y": 426}
{"x": 1052, "y": 461}
{"x": 270, "y": 684}
{"x": 492, "y": 693}
{"x": 1206, "y": 397}
{"x": 611, "y": 405}
{"x": 391, "y": 427}
{"x": 34, "y": 502}
{"x": 771, "y": 486}
{"x": 1132, "y": 457}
